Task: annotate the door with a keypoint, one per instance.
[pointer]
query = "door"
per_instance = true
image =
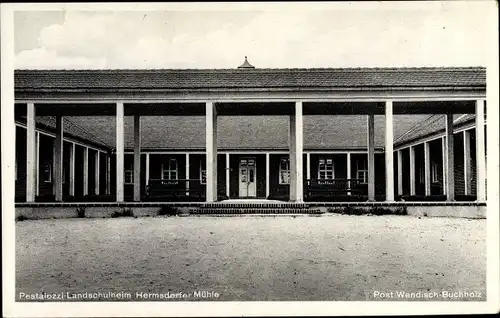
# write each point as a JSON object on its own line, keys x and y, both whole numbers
{"x": 248, "y": 177}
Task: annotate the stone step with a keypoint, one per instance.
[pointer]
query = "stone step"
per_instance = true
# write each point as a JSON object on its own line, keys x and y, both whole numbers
{"x": 262, "y": 210}
{"x": 246, "y": 205}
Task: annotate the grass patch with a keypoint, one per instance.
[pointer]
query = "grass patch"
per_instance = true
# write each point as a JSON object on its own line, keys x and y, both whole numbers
{"x": 169, "y": 210}
{"x": 368, "y": 211}
{"x": 123, "y": 213}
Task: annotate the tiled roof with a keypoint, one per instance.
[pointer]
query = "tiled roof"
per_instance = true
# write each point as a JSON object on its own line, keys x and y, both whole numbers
{"x": 433, "y": 124}
{"x": 245, "y": 132}
{"x": 389, "y": 78}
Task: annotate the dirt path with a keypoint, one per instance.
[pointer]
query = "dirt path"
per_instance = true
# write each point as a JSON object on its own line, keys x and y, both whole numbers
{"x": 253, "y": 258}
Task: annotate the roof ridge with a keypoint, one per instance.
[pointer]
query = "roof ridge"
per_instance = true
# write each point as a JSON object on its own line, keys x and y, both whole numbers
{"x": 200, "y": 70}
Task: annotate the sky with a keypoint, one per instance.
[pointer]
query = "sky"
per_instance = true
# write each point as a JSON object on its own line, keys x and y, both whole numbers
{"x": 280, "y": 36}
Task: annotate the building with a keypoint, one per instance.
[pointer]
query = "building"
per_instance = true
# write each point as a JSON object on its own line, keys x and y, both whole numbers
{"x": 289, "y": 134}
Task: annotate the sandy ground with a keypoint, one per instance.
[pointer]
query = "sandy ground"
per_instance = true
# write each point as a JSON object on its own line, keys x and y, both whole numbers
{"x": 254, "y": 258}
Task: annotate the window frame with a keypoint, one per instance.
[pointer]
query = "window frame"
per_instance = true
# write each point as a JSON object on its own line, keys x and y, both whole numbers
{"x": 365, "y": 175}
{"x": 362, "y": 168}
{"x": 325, "y": 170}
{"x": 435, "y": 172}
{"x": 421, "y": 174}
{"x": 47, "y": 165}
{"x": 282, "y": 171}
{"x": 169, "y": 171}
{"x": 201, "y": 173}
{"x": 129, "y": 171}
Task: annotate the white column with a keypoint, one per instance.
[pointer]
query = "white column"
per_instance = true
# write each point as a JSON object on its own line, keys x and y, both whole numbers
{"x": 400, "y": 172}
{"x": 85, "y": 171}
{"x": 58, "y": 159}
{"x": 308, "y": 158}
{"x": 228, "y": 170}
{"x": 412, "y": 170}
{"x": 108, "y": 174}
{"x": 211, "y": 151}
{"x": 443, "y": 154}
{"x": 30, "y": 153}
{"x": 97, "y": 171}
{"x": 147, "y": 169}
{"x": 427, "y": 168}
{"x": 137, "y": 158}
{"x": 267, "y": 174}
{"x": 299, "y": 135}
{"x": 120, "y": 152}
{"x": 480, "y": 152}
{"x": 296, "y": 155}
{"x": 37, "y": 165}
{"x": 348, "y": 171}
{"x": 467, "y": 163}
{"x": 450, "y": 162}
{"x": 389, "y": 153}
{"x": 371, "y": 157}
{"x": 72, "y": 155}
{"x": 292, "y": 158}
{"x": 187, "y": 173}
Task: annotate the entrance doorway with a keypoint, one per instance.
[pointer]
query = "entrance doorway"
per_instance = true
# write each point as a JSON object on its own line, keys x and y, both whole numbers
{"x": 247, "y": 177}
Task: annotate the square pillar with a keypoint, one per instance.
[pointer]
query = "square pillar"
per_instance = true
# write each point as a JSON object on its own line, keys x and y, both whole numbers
{"x": 85, "y": 171}
{"x": 400, "y": 172}
{"x": 120, "y": 152}
{"x": 371, "y": 157}
{"x": 308, "y": 159}
{"x": 412, "y": 171}
{"x": 228, "y": 170}
{"x": 58, "y": 159}
{"x": 268, "y": 172}
{"x": 480, "y": 152}
{"x": 443, "y": 155}
{"x": 72, "y": 169}
{"x": 137, "y": 158}
{"x": 389, "y": 155}
{"x": 187, "y": 173}
{"x": 348, "y": 155}
{"x": 292, "y": 158}
{"x": 97, "y": 171}
{"x": 37, "y": 164}
{"x": 296, "y": 151}
{"x": 147, "y": 169}
{"x": 211, "y": 151}
{"x": 30, "y": 153}
{"x": 467, "y": 164}
{"x": 108, "y": 174}
{"x": 427, "y": 168}
{"x": 450, "y": 162}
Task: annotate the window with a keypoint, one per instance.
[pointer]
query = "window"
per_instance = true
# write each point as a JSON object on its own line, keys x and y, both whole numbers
{"x": 47, "y": 172}
{"x": 362, "y": 175}
{"x": 325, "y": 169}
{"x": 169, "y": 170}
{"x": 435, "y": 172}
{"x": 203, "y": 174}
{"x": 129, "y": 174}
{"x": 284, "y": 171}
{"x": 421, "y": 174}
{"x": 361, "y": 171}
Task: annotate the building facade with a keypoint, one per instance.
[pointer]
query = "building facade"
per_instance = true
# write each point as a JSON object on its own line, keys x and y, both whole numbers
{"x": 286, "y": 134}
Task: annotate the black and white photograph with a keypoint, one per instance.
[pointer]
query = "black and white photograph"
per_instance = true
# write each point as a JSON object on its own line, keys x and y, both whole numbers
{"x": 229, "y": 159}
